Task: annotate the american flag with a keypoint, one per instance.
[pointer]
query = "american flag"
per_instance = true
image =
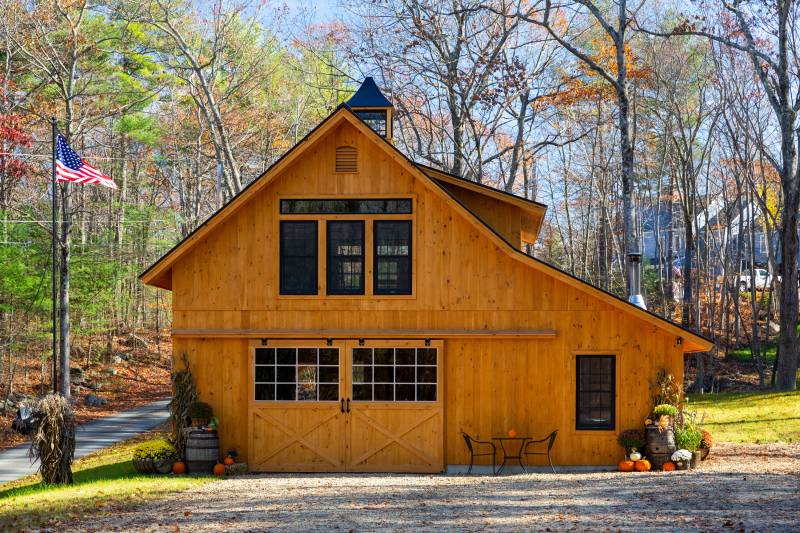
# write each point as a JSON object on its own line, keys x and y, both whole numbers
{"x": 70, "y": 167}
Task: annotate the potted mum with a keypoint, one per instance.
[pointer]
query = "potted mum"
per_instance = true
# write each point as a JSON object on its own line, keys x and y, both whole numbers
{"x": 681, "y": 458}
{"x": 664, "y": 414}
{"x": 200, "y": 413}
{"x": 631, "y": 440}
{"x": 689, "y": 438}
{"x": 154, "y": 456}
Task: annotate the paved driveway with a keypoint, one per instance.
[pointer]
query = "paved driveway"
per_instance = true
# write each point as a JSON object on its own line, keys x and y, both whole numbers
{"x": 90, "y": 437}
{"x": 740, "y": 488}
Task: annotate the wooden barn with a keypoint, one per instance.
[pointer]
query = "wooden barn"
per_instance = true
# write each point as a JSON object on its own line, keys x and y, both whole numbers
{"x": 352, "y": 310}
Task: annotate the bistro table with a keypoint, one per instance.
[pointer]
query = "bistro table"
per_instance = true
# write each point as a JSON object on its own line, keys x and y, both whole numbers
{"x": 506, "y": 456}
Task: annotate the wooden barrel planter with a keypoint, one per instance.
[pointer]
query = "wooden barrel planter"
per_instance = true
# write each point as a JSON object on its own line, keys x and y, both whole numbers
{"x": 660, "y": 445}
{"x": 202, "y": 451}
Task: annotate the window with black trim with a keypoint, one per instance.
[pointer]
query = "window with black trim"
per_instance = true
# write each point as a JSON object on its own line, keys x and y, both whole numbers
{"x": 345, "y": 257}
{"x": 298, "y": 265}
{"x": 392, "y": 257}
{"x": 374, "y": 119}
{"x": 595, "y": 391}
{"x": 347, "y": 206}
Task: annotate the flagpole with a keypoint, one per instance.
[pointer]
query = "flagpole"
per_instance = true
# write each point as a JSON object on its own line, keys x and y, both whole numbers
{"x": 54, "y": 230}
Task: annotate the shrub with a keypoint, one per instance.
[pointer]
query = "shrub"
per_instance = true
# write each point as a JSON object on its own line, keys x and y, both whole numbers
{"x": 665, "y": 409}
{"x": 706, "y": 441}
{"x": 53, "y": 443}
{"x": 631, "y": 438}
{"x": 156, "y": 450}
{"x": 688, "y": 438}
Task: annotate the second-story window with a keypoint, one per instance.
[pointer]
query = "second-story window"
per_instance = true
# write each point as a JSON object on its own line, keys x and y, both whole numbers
{"x": 345, "y": 264}
{"x": 298, "y": 257}
{"x": 392, "y": 257}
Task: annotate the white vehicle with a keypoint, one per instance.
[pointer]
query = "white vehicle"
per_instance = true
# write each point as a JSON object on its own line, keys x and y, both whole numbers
{"x": 763, "y": 280}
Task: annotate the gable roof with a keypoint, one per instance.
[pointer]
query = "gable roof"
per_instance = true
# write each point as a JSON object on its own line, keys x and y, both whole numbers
{"x": 159, "y": 274}
{"x": 369, "y": 95}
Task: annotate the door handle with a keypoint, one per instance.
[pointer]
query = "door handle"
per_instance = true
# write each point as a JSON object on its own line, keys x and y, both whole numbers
{"x": 348, "y": 405}
{"x": 342, "y": 405}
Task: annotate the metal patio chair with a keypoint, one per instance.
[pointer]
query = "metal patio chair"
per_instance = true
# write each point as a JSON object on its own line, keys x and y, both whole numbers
{"x": 549, "y": 440}
{"x": 472, "y": 454}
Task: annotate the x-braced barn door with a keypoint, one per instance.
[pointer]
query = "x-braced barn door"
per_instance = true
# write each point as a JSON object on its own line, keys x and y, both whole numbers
{"x": 374, "y": 406}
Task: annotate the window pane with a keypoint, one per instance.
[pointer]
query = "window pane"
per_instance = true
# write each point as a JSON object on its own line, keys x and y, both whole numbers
{"x": 404, "y": 393}
{"x": 306, "y": 391}
{"x": 286, "y": 374}
{"x": 307, "y": 356}
{"x": 265, "y": 374}
{"x": 329, "y": 356}
{"x": 426, "y": 393}
{"x": 362, "y": 356}
{"x": 265, "y": 356}
{"x": 375, "y": 120}
{"x": 384, "y": 356}
{"x": 392, "y": 257}
{"x": 404, "y": 356}
{"x": 426, "y": 374}
{"x": 345, "y": 257}
{"x": 286, "y": 356}
{"x": 329, "y": 374}
{"x": 384, "y": 393}
{"x": 285, "y": 392}
{"x": 362, "y": 374}
{"x": 362, "y": 393}
{"x": 328, "y": 393}
{"x": 265, "y": 392}
{"x": 306, "y": 374}
{"x": 404, "y": 374}
{"x": 384, "y": 374}
{"x": 298, "y": 263}
{"x": 347, "y": 206}
{"x": 426, "y": 356}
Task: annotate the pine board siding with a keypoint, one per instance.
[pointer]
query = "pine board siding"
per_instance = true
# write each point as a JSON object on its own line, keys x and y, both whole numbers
{"x": 465, "y": 281}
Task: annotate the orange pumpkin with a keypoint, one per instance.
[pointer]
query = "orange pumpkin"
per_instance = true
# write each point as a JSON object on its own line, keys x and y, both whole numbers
{"x": 626, "y": 466}
{"x": 642, "y": 465}
{"x": 228, "y": 461}
{"x": 512, "y": 433}
{"x": 219, "y": 469}
{"x": 179, "y": 467}
{"x": 669, "y": 466}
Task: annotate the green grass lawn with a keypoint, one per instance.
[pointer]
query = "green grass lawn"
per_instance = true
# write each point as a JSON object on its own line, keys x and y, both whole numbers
{"x": 104, "y": 482}
{"x": 756, "y": 417}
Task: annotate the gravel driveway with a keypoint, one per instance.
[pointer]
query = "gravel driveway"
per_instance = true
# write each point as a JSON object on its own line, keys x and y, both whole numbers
{"x": 739, "y": 488}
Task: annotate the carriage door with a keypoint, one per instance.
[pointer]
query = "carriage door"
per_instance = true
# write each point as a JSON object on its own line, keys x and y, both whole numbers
{"x": 297, "y": 417}
{"x": 395, "y": 421}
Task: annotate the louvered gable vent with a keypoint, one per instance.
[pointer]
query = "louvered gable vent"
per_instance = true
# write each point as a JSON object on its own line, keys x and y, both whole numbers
{"x": 346, "y": 159}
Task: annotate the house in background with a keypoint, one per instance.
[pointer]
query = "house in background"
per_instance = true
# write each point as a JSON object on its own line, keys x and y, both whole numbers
{"x": 351, "y": 310}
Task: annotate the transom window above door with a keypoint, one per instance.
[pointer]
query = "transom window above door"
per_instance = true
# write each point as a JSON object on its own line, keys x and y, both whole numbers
{"x": 395, "y": 374}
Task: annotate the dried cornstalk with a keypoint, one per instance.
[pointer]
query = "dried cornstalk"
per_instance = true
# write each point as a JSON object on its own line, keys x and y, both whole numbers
{"x": 184, "y": 394}
{"x": 53, "y": 444}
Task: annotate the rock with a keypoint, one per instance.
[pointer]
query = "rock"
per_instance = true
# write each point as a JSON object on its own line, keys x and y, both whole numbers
{"x": 134, "y": 341}
{"x": 93, "y": 400}
{"x": 124, "y": 356}
{"x": 116, "y": 360}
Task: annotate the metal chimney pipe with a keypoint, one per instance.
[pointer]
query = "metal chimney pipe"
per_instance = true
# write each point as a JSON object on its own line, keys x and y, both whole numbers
{"x": 635, "y": 275}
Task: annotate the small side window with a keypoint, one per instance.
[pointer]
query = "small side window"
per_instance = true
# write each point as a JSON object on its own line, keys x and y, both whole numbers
{"x": 392, "y": 257}
{"x": 595, "y": 390}
{"x": 298, "y": 268}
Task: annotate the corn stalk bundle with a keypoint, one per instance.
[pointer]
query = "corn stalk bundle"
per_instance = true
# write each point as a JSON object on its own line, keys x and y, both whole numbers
{"x": 53, "y": 444}
{"x": 184, "y": 394}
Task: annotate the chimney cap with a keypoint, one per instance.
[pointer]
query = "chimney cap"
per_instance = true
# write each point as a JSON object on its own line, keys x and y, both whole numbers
{"x": 369, "y": 95}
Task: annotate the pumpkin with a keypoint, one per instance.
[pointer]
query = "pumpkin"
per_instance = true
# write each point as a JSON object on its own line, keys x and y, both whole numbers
{"x": 626, "y": 466}
{"x": 228, "y": 461}
{"x": 179, "y": 467}
{"x": 512, "y": 433}
{"x": 669, "y": 466}
{"x": 642, "y": 466}
{"x": 219, "y": 469}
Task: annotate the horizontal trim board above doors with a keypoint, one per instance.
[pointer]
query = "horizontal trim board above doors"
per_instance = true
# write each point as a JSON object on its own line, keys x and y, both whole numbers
{"x": 367, "y": 333}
